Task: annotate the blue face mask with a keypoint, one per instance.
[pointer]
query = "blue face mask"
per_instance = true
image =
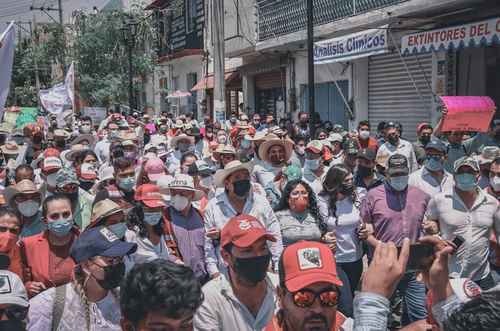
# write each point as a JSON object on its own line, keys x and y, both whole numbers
{"x": 126, "y": 184}
{"x": 152, "y": 218}
{"x": 311, "y": 164}
{"x": 61, "y": 227}
{"x": 118, "y": 229}
{"x": 245, "y": 144}
{"x": 466, "y": 182}
{"x": 399, "y": 183}
{"x": 434, "y": 163}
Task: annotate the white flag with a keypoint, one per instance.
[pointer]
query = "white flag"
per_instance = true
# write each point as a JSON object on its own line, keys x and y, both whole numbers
{"x": 7, "y": 47}
{"x": 60, "y": 96}
{"x": 70, "y": 83}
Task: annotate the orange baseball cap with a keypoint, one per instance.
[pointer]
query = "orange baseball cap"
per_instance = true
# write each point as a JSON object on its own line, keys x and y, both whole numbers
{"x": 150, "y": 195}
{"x": 243, "y": 231}
{"x": 308, "y": 262}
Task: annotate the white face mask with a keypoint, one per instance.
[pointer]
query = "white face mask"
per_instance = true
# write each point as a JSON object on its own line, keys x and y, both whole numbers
{"x": 28, "y": 208}
{"x": 495, "y": 183}
{"x": 85, "y": 128}
{"x": 51, "y": 179}
{"x": 364, "y": 134}
{"x": 179, "y": 202}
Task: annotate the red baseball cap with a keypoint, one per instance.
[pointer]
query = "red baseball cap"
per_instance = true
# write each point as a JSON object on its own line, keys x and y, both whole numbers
{"x": 243, "y": 231}
{"x": 51, "y": 160}
{"x": 150, "y": 195}
{"x": 308, "y": 262}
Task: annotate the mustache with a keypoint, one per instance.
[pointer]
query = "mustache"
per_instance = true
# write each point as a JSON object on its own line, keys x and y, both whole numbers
{"x": 316, "y": 317}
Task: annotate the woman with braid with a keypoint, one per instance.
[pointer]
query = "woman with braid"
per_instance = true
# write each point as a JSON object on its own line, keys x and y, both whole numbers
{"x": 91, "y": 301}
{"x": 339, "y": 204}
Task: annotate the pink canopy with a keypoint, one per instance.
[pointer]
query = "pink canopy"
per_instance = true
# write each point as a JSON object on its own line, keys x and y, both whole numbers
{"x": 467, "y": 113}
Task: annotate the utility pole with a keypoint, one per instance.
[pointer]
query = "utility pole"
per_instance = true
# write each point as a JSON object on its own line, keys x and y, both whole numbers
{"x": 310, "y": 66}
{"x": 34, "y": 44}
{"x": 47, "y": 11}
{"x": 219, "y": 54}
{"x": 129, "y": 30}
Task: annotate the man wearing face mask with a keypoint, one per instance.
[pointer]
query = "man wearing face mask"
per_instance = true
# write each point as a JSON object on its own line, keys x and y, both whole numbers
{"x": 90, "y": 301}
{"x": 86, "y": 126}
{"x": 179, "y": 144}
{"x": 102, "y": 148}
{"x": 199, "y": 142}
{"x": 243, "y": 298}
{"x": 46, "y": 255}
{"x": 183, "y": 225}
{"x": 424, "y": 135}
{"x": 121, "y": 191}
{"x": 203, "y": 179}
{"x": 494, "y": 187}
{"x": 485, "y": 159}
{"x": 60, "y": 138}
{"x": 455, "y": 149}
{"x": 433, "y": 178}
{"x": 81, "y": 201}
{"x": 313, "y": 166}
{"x": 395, "y": 145}
{"x": 237, "y": 197}
{"x": 25, "y": 199}
{"x": 365, "y": 174}
{"x": 299, "y": 152}
{"x": 490, "y": 138}
{"x": 470, "y": 212}
{"x": 14, "y": 304}
{"x": 392, "y": 212}
{"x": 364, "y": 139}
{"x": 275, "y": 153}
{"x": 302, "y": 128}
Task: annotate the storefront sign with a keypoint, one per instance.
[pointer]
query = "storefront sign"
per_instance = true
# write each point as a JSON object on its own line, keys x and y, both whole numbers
{"x": 350, "y": 47}
{"x": 468, "y": 35}
{"x": 467, "y": 113}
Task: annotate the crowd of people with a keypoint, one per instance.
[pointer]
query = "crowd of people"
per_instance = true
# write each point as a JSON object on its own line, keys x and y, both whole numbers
{"x": 159, "y": 223}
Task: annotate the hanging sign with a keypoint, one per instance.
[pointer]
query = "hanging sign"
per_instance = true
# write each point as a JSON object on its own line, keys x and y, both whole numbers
{"x": 467, "y": 113}
{"x": 476, "y": 34}
{"x": 350, "y": 47}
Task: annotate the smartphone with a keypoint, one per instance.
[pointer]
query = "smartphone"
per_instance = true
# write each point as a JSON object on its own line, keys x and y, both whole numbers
{"x": 458, "y": 241}
{"x": 421, "y": 257}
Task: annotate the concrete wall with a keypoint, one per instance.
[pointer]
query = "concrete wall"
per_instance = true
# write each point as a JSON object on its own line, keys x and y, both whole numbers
{"x": 239, "y": 31}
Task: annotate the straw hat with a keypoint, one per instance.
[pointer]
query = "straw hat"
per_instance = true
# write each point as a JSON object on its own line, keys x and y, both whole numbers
{"x": 264, "y": 148}
{"x": 231, "y": 167}
{"x": 25, "y": 186}
{"x": 103, "y": 209}
{"x": 175, "y": 140}
{"x": 185, "y": 183}
{"x": 84, "y": 137}
{"x": 10, "y": 148}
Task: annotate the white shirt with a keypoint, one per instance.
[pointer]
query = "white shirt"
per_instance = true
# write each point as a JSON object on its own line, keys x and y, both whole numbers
{"x": 423, "y": 179}
{"x": 104, "y": 315}
{"x": 101, "y": 149}
{"x": 474, "y": 225}
{"x": 265, "y": 173}
{"x": 345, "y": 224}
{"x": 218, "y": 212}
{"x": 316, "y": 182}
{"x": 222, "y": 311}
{"x": 146, "y": 250}
{"x": 404, "y": 148}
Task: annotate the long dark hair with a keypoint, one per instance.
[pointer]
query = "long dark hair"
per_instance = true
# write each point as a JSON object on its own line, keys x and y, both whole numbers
{"x": 313, "y": 205}
{"x": 331, "y": 186}
{"x": 135, "y": 218}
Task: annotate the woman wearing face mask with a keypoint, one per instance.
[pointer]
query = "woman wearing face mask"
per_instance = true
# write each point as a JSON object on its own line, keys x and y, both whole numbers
{"x": 298, "y": 214}
{"x": 339, "y": 204}
{"x": 203, "y": 179}
{"x": 146, "y": 227}
{"x": 313, "y": 165}
{"x": 10, "y": 227}
{"x": 46, "y": 256}
{"x": 86, "y": 166}
{"x": 25, "y": 199}
{"x": 90, "y": 301}
{"x": 184, "y": 226}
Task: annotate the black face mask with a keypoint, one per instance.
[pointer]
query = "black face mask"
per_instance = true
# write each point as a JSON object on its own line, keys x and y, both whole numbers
{"x": 113, "y": 276}
{"x": 393, "y": 140}
{"x": 364, "y": 172}
{"x": 425, "y": 140}
{"x": 86, "y": 185}
{"x": 252, "y": 269}
{"x": 12, "y": 325}
{"x": 346, "y": 189}
{"x": 241, "y": 187}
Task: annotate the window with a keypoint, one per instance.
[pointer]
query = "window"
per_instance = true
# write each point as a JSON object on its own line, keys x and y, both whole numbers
{"x": 175, "y": 83}
{"x": 190, "y": 15}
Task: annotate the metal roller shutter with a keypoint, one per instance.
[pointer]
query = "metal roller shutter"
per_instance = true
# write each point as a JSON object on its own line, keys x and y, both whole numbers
{"x": 392, "y": 95}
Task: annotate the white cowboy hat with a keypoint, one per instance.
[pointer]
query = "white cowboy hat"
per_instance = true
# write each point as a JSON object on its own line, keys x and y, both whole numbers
{"x": 176, "y": 139}
{"x": 229, "y": 169}
{"x": 185, "y": 183}
{"x": 287, "y": 145}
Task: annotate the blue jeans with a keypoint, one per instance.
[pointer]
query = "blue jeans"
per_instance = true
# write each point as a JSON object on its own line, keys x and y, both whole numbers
{"x": 346, "y": 298}
{"x": 413, "y": 294}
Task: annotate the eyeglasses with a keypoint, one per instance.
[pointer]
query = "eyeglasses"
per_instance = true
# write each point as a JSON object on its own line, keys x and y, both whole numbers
{"x": 305, "y": 298}
{"x": 297, "y": 194}
{"x": 15, "y": 312}
{"x": 11, "y": 230}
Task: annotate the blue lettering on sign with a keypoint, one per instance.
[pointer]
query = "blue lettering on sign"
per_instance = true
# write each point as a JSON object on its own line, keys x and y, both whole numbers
{"x": 354, "y": 44}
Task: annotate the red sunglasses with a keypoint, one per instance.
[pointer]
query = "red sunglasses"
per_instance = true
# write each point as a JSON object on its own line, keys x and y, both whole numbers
{"x": 305, "y": 298}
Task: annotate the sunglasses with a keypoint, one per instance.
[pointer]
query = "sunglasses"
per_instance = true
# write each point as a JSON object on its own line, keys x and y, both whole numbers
{"x": 15, "y": 312}
{"x": 305, "y": 298}
{"x": 5, "y": 229}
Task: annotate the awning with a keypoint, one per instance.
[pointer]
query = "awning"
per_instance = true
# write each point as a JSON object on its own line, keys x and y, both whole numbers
{"x": 476, "y": 34}
{"x": 157, "y": 4}
{"x": 352, "y": 46}
{"x": 467, "y": 113}
{"x": 207, "y": 83}
{"x": 179, "y": 94}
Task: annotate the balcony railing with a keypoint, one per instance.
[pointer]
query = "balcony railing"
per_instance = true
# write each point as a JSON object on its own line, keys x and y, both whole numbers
{"x": 281, "y": 17}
